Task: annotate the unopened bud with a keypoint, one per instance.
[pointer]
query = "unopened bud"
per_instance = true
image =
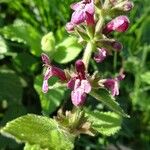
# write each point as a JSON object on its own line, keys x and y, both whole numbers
{"x": 69, "y": 27}
{"x": 48, "y": 42}
{"x": 117, "y": 46}
{"x": 124, "y": 6}
{"x": 119, "y": 24}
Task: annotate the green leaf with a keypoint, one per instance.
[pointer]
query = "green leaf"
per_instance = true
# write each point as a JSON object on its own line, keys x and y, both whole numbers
{"x": 23, "y": 33}
{"x": 67, "y": 51}
{"x": 25, "y": 62}
{"x": 52, "y": 99}
{"x": 10, "y": 87}
{"x": 3, "y": 46}
{"x": 32, "y": 147}
{"x": 106, "y": 98}
{"x": 106, "y": 123}
{"x": 38, "y": 130}
{"x": 145, "y": 77}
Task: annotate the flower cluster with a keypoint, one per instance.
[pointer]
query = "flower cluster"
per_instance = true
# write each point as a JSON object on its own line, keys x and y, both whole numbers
{"x": 89, "y": 22}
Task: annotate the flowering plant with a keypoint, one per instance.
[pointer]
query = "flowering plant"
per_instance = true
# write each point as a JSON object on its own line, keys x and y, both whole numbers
{"x": 93, "y": 23}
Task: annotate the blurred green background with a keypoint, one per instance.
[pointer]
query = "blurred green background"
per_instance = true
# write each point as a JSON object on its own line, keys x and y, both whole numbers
{"x": 22, "y": 25}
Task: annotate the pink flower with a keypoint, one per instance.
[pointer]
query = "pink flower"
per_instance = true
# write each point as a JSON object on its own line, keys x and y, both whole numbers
{"x": 119, "y": 24}
{"x": 50, "y": 71}
{"x": 79, "y": 85}
{"x": 100, "y": 55}
{"x": 83, "y": 12}
{"x": 113, "y": 84}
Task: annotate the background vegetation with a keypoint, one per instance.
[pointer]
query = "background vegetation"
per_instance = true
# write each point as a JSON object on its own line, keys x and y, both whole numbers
{"x": 22, "y": 25}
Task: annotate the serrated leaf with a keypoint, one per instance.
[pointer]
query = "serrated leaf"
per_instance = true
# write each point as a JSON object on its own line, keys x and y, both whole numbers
{"x": 38, "y": 130}
{"x": 106, "y": 98}
{"x": 50, "y": 100}
{"x": 145, "y": 77}
{"x": 106, "y": 123}
{"x": 67, "y": 51}
{"x": 23, "y": 33}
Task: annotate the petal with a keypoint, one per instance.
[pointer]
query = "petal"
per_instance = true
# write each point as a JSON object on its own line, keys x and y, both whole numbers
{"x": 112, "y": 85}
{"x": 121, "y": 77}
{"x": 77, "y": 84}
{"x": 100, "y": 55}
{"x": 45, "y": 59}
{"x": 78, "y": 97}
{"x": 89, "y": 8}
{"x": 78, "y": 17}
{"x": 85, "y": 85}
{"x": 45, "y": 86}
{"x": 76, "y": 6}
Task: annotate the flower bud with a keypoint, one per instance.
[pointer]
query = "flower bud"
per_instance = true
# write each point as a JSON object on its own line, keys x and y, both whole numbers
{"x": 69, "y": 27}
{"x": 124, "y": 6}
{"x": 48, "y": 43}
{"x": 119, "y": 24}
{"x": 128, "y": 6}
{"x": 80, "y": 67}
{"x": 117, "y": 46}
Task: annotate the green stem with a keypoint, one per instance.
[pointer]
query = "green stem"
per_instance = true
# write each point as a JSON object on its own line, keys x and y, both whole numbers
{"x": 87, "y": 54}
{"x": 115, "y": 61}
{"x": 100, "y": 22}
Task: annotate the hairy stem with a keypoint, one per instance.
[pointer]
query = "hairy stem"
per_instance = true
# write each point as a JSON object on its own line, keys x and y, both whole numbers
{"x": 87, "y": 54}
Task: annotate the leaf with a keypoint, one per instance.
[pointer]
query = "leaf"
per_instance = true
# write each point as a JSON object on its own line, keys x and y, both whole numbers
{"x": 51, "y": 100}
{"x": 32, "y": 147}
{"x": 10, "y": 87}
{"x": 39, "y": 130}
{"x": 67, "y": 51}
{"x": 106, "y": 123}
{"x": 3, "y": 46}
{"x": 104, "y": 96}
{"x": 25, "y": 62}
{"x": 23, "y": 33}
{"x": 145, "y": 77}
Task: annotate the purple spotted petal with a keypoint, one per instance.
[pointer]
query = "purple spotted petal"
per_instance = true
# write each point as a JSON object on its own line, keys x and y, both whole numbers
{"x": 85, "y": 85}
{"x": 78, "y": 97}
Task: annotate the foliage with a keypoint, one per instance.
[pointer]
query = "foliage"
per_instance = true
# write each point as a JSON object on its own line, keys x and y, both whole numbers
{"x": 22, "y": 25}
